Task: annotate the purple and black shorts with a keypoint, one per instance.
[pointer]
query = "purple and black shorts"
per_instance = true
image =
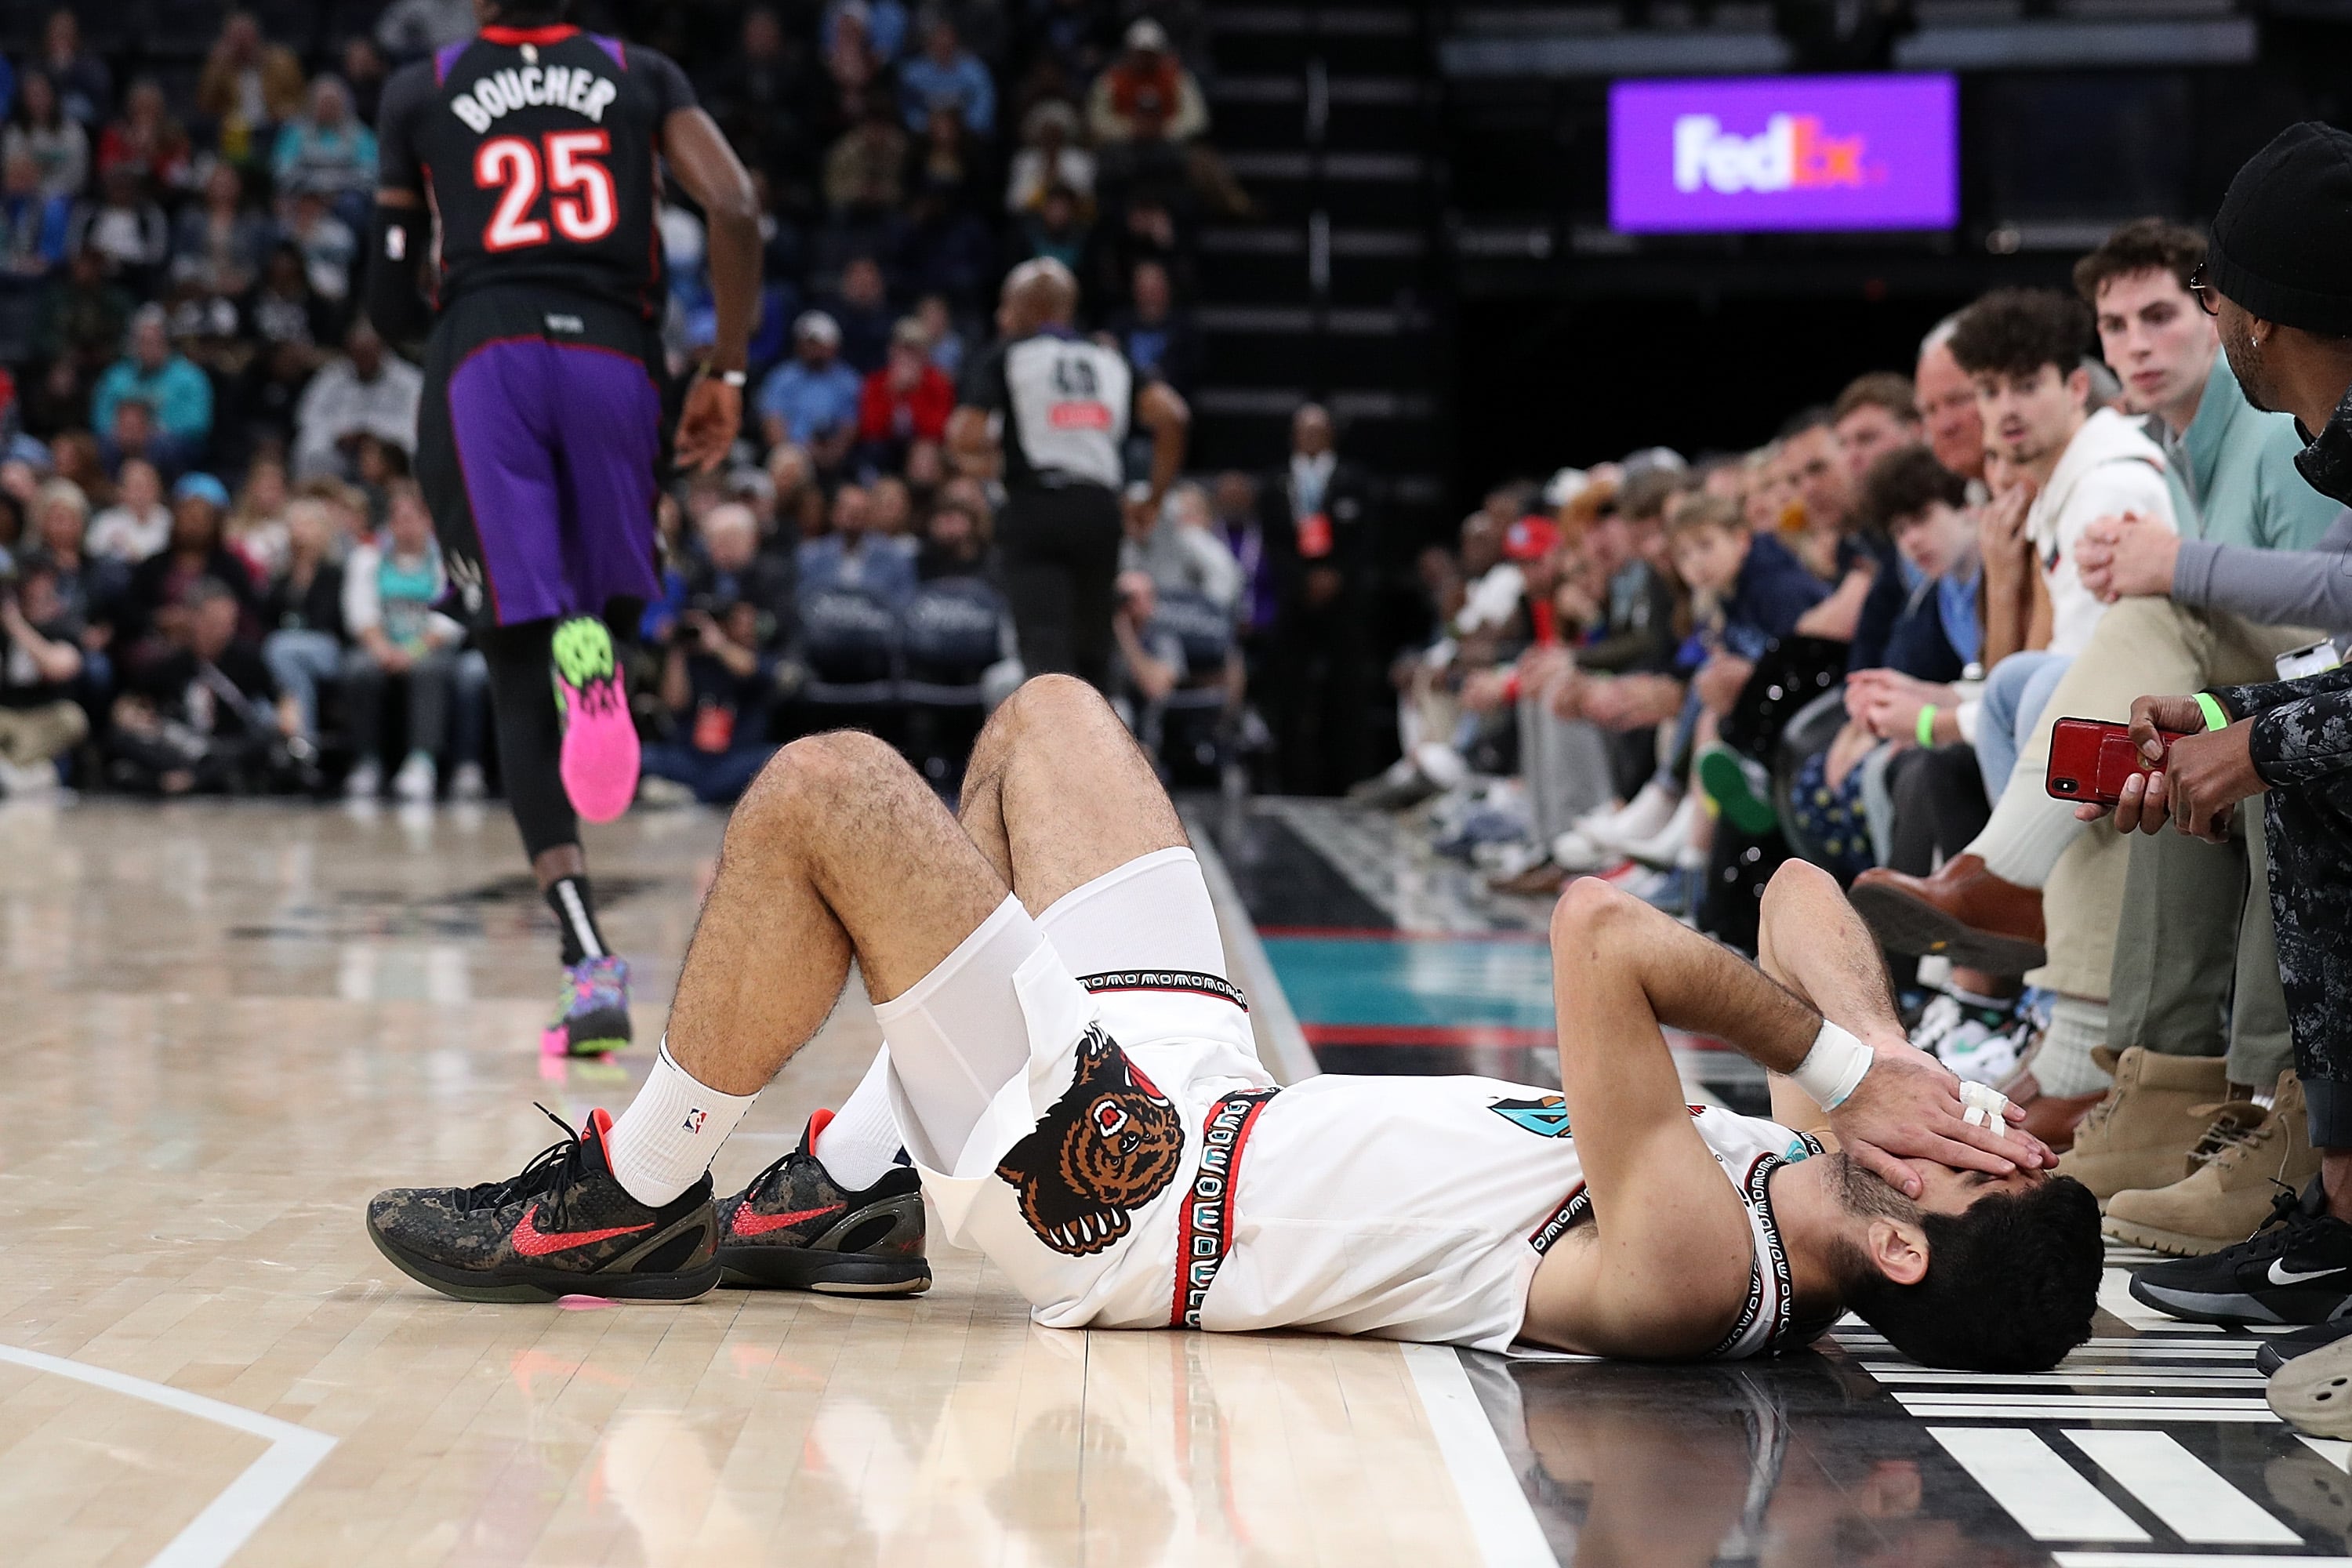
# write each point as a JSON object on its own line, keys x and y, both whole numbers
{"x": 538, "y": 442}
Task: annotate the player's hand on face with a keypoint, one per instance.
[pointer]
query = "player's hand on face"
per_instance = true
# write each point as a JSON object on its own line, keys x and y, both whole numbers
{"x": 1907, "y": 1107}
{"x": 714, "y": 413}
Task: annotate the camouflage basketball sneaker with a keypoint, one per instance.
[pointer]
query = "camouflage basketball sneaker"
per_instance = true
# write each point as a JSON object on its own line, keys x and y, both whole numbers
{"x": 563, "y": 1227}
{"x": 794, "y": 1228}
{"x": 599, "y": 763}
{"x": 591, "y": 1015}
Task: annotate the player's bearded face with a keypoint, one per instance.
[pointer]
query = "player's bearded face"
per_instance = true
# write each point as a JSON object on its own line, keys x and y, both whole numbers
{"x": 1863, "y": 1194}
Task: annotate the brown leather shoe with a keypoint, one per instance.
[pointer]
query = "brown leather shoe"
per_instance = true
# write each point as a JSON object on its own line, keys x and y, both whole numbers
{"x": 1540, "y": 880}
{"x": 2053, "y": 1117}
{"x": 1963, "y": 912}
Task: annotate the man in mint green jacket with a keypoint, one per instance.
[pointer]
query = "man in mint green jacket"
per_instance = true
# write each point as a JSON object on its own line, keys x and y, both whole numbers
{"x": 2188, "y": 923}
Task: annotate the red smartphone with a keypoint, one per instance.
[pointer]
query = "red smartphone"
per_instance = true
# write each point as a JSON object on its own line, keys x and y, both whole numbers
{"x": 2090, "y": 759}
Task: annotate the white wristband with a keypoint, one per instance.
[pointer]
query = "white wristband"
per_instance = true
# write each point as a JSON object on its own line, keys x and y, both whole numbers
{"x": 1832, "y": 1067}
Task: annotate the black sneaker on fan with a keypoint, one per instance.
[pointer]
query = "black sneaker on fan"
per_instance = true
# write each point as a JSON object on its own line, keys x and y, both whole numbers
{"x": 2297, "y": 1269}
{"x": 795, "y": 1228}
{"x": 563, "y": 1226}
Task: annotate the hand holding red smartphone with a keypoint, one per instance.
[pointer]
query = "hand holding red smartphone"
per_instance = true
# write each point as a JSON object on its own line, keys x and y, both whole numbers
{"x": 2090, "y": 760}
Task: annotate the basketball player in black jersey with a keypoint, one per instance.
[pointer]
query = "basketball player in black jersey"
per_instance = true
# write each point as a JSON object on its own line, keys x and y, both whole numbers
{"x": 517, "y": 204}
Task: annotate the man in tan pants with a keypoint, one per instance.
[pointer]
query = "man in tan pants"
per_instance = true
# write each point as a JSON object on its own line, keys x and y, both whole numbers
{"x": 2181, "y": 617}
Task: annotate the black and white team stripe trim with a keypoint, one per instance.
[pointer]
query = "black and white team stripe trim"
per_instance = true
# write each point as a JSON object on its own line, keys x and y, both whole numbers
{"x": 1186, "y": 981}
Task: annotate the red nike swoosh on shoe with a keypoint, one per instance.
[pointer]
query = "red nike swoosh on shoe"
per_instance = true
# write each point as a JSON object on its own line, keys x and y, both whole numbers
{"x": 533, "y": 1242}
{"x": 750, "y": 1224}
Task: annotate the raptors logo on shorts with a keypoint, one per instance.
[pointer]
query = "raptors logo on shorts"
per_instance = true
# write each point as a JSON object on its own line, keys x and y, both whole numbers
{"x": 1109, "y": 1145}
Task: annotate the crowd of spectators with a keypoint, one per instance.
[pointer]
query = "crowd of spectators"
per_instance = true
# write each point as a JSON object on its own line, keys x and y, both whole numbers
{"x": 196, "y": 418}
{"x": 1850, "y": 644}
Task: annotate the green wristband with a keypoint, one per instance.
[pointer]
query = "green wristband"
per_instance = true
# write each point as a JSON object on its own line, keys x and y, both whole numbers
{"x": 1926, "y": 728}
{"x": 2216, "y": 718}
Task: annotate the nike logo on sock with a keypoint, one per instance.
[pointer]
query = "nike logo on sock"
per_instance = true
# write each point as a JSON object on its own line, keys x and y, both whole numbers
{"x": 2282, "y": 1275}
{"x": 533, "y": 1242}
{"x": 750, "y": 1224}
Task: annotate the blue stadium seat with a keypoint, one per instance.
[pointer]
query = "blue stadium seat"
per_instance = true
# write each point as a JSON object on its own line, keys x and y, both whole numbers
{"x": 950, "y": 632}
{"x": 849, "y": 640}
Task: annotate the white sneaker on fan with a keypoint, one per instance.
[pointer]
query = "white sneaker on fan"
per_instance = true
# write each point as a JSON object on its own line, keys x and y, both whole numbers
{"x": 1643, "y": 817}
{"x": 1576, "y": 852}
{"x": 1666, "y": 847}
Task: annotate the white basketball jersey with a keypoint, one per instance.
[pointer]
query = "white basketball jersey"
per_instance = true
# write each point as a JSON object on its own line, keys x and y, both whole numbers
{"x": 1418, "y": 1208}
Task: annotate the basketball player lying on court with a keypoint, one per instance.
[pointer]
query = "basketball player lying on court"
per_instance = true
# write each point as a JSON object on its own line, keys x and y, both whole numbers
{"x": 1076, "y": 1083}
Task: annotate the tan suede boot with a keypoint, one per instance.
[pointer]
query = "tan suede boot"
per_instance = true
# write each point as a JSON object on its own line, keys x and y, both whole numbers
{"x": 2223, "y": 1200}
{"x": 2140, "y": 1135}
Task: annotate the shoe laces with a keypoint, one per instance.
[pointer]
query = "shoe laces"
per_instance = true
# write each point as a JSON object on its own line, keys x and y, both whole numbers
{"x": 2287, "y": 1221}
{"x": 2236, "y": 1125}
{"x": 557, "y": 1166}
{"x": 769, "y": 1177}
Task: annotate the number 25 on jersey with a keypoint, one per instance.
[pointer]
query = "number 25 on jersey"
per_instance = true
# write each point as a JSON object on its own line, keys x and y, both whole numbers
{"x": 582, "y": 203}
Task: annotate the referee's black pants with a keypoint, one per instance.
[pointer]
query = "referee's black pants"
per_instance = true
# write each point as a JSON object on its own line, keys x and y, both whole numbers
{"x": 1058, "y": 549}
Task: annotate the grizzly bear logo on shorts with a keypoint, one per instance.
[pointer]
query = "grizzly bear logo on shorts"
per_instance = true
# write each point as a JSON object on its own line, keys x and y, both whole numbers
{"x": 1111, "y": 1143}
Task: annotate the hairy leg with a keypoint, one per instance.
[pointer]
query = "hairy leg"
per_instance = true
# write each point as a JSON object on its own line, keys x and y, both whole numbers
{"x": 837, "y": 849}
{"x": 1057, "y": 793}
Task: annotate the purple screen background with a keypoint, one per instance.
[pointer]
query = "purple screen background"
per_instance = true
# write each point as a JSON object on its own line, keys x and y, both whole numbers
{"x": 1910, "y": 156}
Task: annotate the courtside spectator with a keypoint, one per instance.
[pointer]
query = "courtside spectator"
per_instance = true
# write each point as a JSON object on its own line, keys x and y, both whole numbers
{"x": 40, "y": 668}
{"x": 247, "y": 86}
{"x": 1049, "y": 156}
{"x": 1148, "y": 80}
{"x": 811, "y": 400}
{"x": 326, "y": 151}
{"x": 947, "y": 76}
{"x": 123, "y": 224}
{"x": 219, "y": 243}
{"x": 302, "y": 615}
{"x": 33, "y": 223}
{"x": 151, "y": 372}
{"x": 202, "y": 714}
{"x": 138, "y": 525}
{"x": 1155, "y": 333}
{"x": 85, "y": 87}
{"x": 366, "y": 391}
{"x": 39, "y": 128}
{"x": 1873, "y": 415}
{"x": 155, "y": 600}
{"x": 146, "y": 141}
{"x": 855, "y": 556}
{"x": 906, "y": 401}
{"x": 392, "y": 585}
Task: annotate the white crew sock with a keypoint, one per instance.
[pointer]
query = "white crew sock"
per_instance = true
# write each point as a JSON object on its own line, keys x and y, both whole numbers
{"x": 2063, "y": 1066}
{"x": 666, "y": 1140}
{"x": 2027, "y": 833}
{"x": 861, "y": 1143}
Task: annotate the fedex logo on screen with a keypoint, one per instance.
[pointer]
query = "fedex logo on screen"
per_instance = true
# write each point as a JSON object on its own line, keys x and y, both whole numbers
{"x": 1793, "y": 152}
{"x": 1731, "y": 155}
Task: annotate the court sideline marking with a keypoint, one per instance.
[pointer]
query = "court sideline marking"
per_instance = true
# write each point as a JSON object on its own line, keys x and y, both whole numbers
{"x": 214, "y": 1536}
{"x": 1294, "y": 1058}
{"x": 1501, "y": 1522}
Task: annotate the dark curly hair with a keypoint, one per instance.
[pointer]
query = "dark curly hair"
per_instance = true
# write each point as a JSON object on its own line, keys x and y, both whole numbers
{"x": 2143, "y": 244}
{"x": 2016, "y": 332}
{"x": 2011, "y": 1282}
{"x": 1904, "y": 483}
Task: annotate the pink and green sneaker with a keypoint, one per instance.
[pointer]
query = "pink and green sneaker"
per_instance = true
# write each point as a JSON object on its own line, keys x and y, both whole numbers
{"x": 592, "y": 1014}
{"x": 599, "y": 763}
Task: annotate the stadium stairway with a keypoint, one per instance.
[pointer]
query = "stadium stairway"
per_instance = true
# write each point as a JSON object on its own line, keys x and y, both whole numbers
{"x": 1326, "y": 115}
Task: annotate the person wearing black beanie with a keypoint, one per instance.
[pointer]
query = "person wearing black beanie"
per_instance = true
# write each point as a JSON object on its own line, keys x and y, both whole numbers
{"x": 2279, "y": 276}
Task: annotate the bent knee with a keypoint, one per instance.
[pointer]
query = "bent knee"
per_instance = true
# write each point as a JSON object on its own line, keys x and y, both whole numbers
{"x": 1054, "y": 700}
{"x": 1588, "y": 907}
{"x": 816, "y": 771}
